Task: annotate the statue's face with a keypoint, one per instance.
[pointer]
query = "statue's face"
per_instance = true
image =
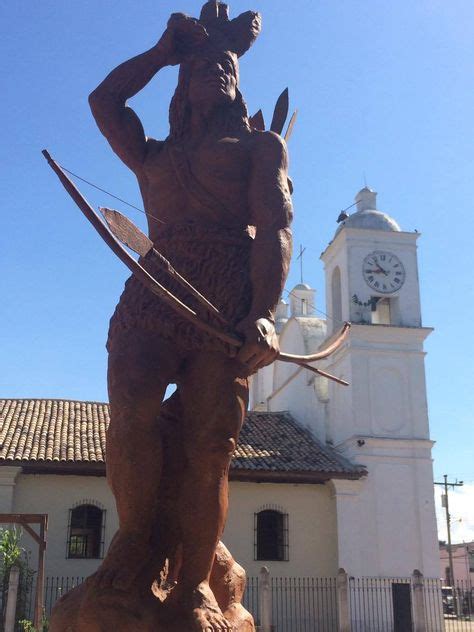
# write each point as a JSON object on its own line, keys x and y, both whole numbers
{"x": 213, "y": 80}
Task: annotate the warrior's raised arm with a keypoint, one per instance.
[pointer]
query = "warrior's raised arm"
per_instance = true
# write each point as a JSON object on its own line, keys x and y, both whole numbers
{"x": 118, "y": 122}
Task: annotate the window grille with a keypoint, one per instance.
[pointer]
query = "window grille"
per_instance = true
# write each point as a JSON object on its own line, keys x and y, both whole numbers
{"x": 86, "y": 532}
{"x": 271, "y": 536}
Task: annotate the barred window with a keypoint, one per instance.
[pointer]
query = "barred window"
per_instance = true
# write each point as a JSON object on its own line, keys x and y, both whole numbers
{"x": 271, "y": 536}
{"x": 86, "y": 532}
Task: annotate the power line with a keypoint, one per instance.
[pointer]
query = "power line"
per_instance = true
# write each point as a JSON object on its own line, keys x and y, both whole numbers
{"x": 335, "y": 320}
{"x": 137, "y": 208}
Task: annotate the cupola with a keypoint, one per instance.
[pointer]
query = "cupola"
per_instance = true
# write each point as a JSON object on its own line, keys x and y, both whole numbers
{"x": 367, "y": 216}
{"x": 302, "y": 300}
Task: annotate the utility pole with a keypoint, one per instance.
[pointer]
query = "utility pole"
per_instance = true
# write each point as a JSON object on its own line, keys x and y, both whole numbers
{"x": 446, "y": 485}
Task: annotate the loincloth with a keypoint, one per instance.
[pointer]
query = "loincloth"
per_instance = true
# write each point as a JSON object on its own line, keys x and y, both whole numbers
{"x": 215, "y": 260}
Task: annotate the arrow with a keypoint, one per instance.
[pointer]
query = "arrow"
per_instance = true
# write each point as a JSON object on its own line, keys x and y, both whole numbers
{"x": 291, "y": 125}
{"x": 150, "y": 282}
{"x": 186, "y": 312}
{"x": 280, "y": 113}
{"x": 257, "y": 122}
{"x": 130, "y": 235}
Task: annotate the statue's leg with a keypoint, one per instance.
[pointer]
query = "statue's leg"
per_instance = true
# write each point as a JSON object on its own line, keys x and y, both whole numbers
{"x": 227, "y": 582}
{"x": 118, "y": 597}
{"x": 140, "y": 369}
{"x": 214, "y": 401}
{"x": 167, "y": 519}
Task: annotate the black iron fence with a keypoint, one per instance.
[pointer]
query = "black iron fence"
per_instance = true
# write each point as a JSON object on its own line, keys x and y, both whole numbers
{"x": 458, "y": 606}
{"x": 24, "y": 599}
{"x": 391, "y": 605}
{"x": 327, "y": 604}
{"x": 304, "y": 604}
{"x": 296, "y": 604}
{"x": 371, "y": 603}
{"x": 251, "y": 600}
{"x": 54, "y": 589}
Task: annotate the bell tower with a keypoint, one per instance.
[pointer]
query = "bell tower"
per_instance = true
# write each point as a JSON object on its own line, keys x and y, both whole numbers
{"x": 381, "y": 419}
{"x": 371, "y": 270}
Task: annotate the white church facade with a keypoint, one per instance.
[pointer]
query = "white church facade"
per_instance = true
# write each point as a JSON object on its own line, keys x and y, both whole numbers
{"x": 385, "y": 521}
{"x": 342, "y": 476}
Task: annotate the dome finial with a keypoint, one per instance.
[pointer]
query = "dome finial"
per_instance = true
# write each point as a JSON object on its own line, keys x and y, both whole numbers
{"x": 366, "y": 199}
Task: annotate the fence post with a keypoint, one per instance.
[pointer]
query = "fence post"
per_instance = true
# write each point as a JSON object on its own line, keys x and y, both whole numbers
{"x": 419, "y": 618}
{"x": 343, "y": 610}
{"x": 11, "y": 600}
{"x": 265, "y": 599}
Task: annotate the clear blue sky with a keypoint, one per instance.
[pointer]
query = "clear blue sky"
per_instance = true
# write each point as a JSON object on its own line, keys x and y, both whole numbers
{"x": 384, "y": 89}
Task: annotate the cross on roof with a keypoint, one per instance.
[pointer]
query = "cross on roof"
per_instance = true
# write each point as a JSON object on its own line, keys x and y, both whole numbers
{"x": 300, "y": 257}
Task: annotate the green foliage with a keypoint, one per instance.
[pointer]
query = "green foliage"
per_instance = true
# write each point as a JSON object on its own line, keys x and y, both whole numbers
{"x": 27, "y": 626}
{"x": 10, "y": 549}
{"x": 13, "y": 554}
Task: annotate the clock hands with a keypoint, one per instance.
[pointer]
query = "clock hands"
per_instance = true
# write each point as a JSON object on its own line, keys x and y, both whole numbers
{"x": 380, "y": 269}
{"x": 391, "y": 268}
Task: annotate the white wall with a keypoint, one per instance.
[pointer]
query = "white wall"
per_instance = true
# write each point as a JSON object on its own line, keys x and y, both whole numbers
{"x": 8, "y": 476}
{"x": 298, "y": 390}
{"x": 55, "y": 495}
{"x": 387, "y": 393}
{"x": 312, "y": 527}
{"x": 311, "y": 511}
{"x": 381, "y": 421}
{"x": 386, "y": 521}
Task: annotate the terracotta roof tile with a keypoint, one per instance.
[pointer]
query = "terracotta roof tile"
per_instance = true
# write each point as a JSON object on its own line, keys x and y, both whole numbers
{"x": 62, "y": 431}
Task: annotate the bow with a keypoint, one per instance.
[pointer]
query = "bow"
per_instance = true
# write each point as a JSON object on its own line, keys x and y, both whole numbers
{"x": 178, "y": 306}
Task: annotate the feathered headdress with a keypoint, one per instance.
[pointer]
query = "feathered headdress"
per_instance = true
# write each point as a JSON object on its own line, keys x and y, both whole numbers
{"x": 236, "y": 35}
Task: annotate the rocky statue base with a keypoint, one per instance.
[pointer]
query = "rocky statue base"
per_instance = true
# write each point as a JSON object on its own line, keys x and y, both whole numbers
{"x": 93, "y": 608}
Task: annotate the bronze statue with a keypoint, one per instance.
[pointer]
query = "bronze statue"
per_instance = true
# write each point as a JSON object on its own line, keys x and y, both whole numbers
{"x": 219, "y": 208}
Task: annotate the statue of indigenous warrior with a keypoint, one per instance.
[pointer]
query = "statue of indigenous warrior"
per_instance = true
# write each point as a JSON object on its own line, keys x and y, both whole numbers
{"x": 219, "y": 208}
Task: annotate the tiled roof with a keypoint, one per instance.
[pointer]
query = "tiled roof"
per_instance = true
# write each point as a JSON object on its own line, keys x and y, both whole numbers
{"x": 34, "y": 431}
{"x": 276, "y": 442}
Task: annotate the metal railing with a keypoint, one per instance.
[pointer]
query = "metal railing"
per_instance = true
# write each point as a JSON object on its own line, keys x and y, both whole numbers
{"x": 325, "y": 604}
{"x": 251, "y": 600}
{"x": 392, "y": 605}
{"x": 371, "y": 604}
{"x": 304, "y": 604}
{"x": 54, "y": 589}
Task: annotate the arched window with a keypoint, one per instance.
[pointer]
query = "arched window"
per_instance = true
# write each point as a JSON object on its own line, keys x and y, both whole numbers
{"x": 86, "y": 532}
{"x": 271, "y": 535}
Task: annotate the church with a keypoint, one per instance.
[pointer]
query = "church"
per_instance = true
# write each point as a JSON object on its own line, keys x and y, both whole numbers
{"x": 385, "y": 521}
{"x": 325, "y": 476}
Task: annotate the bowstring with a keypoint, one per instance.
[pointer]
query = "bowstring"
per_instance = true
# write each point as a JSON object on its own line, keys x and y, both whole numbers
{"x": 95, "y": 186}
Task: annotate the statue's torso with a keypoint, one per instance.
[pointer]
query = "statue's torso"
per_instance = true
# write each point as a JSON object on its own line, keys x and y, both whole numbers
{"x": 220, "y": 166}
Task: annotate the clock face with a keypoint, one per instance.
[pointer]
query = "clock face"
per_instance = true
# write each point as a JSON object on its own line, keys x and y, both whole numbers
{"x": 383, "y": 272}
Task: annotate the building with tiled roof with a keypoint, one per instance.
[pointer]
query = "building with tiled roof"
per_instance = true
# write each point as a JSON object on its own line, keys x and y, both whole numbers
{"x": 44, "y": 435}
{"x": 342, "y": 478}
{"x": 53, "y": 460}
